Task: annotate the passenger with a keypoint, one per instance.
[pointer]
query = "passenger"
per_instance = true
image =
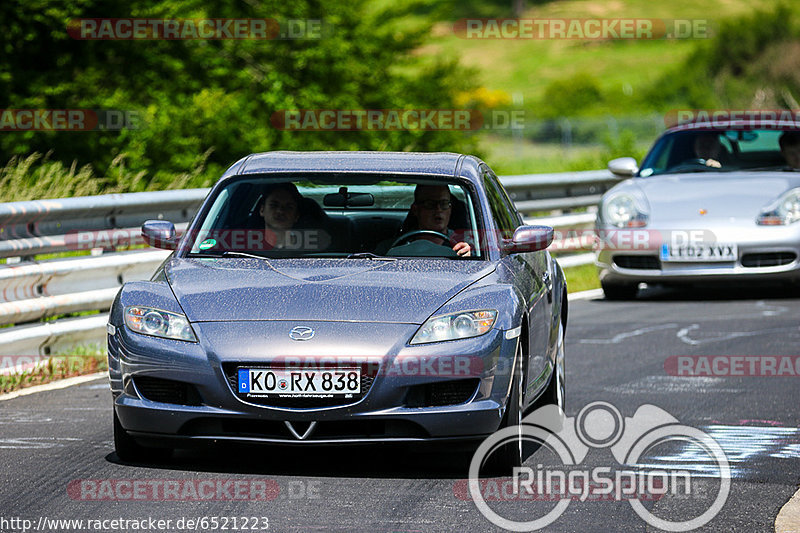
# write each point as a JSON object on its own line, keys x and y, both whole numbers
{"x": 431, "y": 211}
{"x": 790, "y": 148}
{"x": 280, "y": 209}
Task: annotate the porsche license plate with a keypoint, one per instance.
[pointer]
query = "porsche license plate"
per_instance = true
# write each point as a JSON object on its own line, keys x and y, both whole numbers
{"x": 323, "y": 382}
{"x": 699, "y": 253}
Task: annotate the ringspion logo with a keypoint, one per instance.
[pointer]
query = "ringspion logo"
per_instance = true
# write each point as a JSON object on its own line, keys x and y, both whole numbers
{"x": 564, "y": 478}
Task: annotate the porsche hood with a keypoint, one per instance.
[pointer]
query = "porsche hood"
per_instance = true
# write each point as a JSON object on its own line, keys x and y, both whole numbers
{"x": 724, "y": 196}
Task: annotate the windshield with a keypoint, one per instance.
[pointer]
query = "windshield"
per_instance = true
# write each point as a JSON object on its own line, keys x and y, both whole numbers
{"x": 719, "y": 151}
{"x": 364, "y": 217}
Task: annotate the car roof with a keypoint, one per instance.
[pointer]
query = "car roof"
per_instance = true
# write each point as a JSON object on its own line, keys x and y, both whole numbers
{"x": 445, "y": 164}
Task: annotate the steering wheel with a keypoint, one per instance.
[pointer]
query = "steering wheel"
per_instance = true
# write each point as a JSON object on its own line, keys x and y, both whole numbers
{"x": 407, "y": 236}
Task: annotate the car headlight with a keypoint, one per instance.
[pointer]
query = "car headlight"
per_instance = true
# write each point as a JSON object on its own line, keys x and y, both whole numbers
{"x": 625, "y": 210}
{"x": 455, "y": 326}
{"x": 159, "y": 323}
{"x": 786, "y": 210}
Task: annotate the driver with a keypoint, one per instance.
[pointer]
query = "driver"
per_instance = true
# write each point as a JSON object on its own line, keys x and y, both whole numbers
{"x": 431, "y": 210}
{"x": 708, "y": 148}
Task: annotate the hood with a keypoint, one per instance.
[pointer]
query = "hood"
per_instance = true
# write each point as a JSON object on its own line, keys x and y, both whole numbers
{"x": 730, "y": 197}
{"x": 233, "y": 289}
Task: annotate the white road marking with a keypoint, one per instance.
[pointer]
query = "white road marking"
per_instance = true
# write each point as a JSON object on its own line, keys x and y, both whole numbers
{"x": 672, "y": 385}
{"x": 771, "y": 309}
{"x": 683, "y": 334}
{"x": 34, "y": 443}
{"x": 628, "y": 334}
{"x": 60, "y": 384}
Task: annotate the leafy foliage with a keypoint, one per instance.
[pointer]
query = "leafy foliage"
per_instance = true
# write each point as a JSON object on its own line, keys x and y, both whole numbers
{"x": 206, "y": 103}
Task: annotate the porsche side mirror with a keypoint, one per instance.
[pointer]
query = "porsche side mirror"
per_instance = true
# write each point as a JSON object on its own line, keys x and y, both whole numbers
{"x": 160, "y": 234}
{"x": 529, "y": 239}
{"x": 623, "y": 167}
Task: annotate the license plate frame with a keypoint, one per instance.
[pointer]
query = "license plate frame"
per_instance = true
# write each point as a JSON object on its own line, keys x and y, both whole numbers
{"x": 700, "y": 253}
{"x": 298, "y": 383}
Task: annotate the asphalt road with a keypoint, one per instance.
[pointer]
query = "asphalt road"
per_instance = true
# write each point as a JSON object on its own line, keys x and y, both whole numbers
{"x": 55, "y": 444}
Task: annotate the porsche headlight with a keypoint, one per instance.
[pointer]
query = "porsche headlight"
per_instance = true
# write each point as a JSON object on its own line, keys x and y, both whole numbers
{"x": 625, "y": 210}
{"x": 786, "y": 210}
{"x": 159, "y": 323}
{"x": 455, "y": 326}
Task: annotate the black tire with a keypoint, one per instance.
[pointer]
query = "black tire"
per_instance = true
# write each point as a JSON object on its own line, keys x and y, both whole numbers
{"x": 129, "y": 450}
{"x": 556, "y": 392}
{"x": 614, "y": 291}
{"x": 505, "y": 458}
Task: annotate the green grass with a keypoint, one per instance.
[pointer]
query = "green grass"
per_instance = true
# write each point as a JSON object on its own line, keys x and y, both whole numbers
{"x": 527, "y": 66}
{"x": 78, "y": 361}
{"x": 582, "y": 278}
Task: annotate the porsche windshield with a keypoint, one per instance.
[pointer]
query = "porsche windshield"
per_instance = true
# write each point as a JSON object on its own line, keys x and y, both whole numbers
{"x": 723, "y": 151}
{"x": 340, "y": 216}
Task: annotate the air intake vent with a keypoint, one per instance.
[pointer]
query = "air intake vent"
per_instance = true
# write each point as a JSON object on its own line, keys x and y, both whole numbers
{"x": 167, "y": 390}
{"x": 768, "y": 259}
{"x": 442, "y": 393}
{"x": 640, "y": 262}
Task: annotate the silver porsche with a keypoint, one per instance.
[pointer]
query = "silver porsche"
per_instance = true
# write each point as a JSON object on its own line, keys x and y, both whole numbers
{"x": 710, "y": 202}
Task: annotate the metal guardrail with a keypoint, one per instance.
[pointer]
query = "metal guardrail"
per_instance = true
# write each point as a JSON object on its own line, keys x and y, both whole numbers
{"x": 31, "y": 290}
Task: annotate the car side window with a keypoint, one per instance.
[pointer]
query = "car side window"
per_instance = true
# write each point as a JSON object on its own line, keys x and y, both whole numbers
{"x": 503, "y": 211}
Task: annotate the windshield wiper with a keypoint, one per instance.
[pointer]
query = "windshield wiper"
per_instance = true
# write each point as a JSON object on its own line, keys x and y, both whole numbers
{"x": 228, "y": 253}
{"x": 371, "y": 256}
{"x": 242, "y": 254}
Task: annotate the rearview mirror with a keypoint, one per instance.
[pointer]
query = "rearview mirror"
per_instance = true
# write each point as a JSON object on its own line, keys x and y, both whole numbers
{"x": 530, "y": 239}
{"x": 160, "y": 234}
{"x": 624, "y": 167}
{"x": 348, "y": 199}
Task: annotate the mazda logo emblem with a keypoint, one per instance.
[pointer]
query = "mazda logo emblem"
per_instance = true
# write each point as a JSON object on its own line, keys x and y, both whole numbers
{"x": 301, "y": 333}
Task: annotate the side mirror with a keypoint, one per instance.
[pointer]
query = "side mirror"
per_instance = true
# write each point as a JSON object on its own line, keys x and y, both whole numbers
{"x": 624, "y": 167}
{"x": 160, "y": 234}
{"x": 530, "y": 239}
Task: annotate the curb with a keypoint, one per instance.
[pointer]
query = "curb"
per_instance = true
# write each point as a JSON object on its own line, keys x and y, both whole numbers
{"x": 788, "y": 519}
{"x": 54, "y": 385}
{"x": 585, "y": 295}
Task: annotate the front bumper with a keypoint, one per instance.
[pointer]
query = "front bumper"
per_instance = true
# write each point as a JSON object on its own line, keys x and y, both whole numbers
{"x": 764, "y": 254}
{"x": 384, "y": 414}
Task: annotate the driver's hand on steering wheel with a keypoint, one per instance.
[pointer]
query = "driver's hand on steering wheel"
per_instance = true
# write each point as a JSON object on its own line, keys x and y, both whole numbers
{"x": 462, "y": 249}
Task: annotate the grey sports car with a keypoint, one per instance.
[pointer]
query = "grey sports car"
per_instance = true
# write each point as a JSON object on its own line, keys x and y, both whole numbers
{"x": 338, "y": 298}
{"x": 711, "y": 202}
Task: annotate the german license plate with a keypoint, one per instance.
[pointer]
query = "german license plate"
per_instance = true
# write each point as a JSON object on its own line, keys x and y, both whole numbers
{"x": 699, "y": 253}
{"x": 287, "y": 382}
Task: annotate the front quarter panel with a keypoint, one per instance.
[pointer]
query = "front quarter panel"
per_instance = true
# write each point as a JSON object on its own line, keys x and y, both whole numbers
{"x": 127, "y": 350}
